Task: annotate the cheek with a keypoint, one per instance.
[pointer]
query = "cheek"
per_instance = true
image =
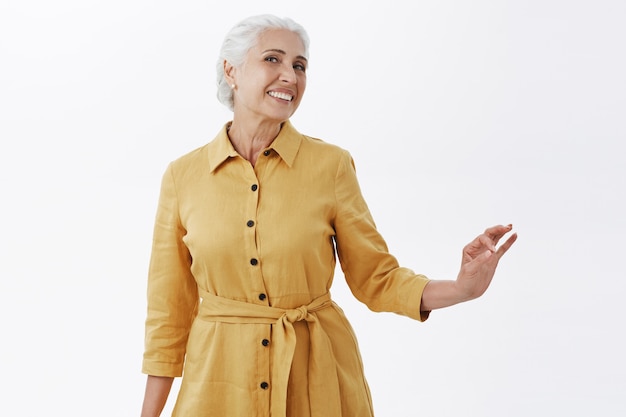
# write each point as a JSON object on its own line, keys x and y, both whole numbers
{"x": 302, "y": 85}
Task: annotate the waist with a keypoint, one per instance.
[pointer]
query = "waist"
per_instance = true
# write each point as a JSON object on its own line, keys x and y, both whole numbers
{"x": 226, "y": 310}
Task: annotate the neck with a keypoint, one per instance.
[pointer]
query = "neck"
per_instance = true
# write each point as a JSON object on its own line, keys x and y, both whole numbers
{"x": 249, "y": 139}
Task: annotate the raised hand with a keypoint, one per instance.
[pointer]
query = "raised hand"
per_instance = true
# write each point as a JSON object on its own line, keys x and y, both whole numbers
{"x": 480, "y": 259}
{"x": 478, "y": 265}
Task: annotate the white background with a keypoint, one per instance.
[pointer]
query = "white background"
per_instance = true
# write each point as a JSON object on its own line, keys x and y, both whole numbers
{"x": 459, "y": 115}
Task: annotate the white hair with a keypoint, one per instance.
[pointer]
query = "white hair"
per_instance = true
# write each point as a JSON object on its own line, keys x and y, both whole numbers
{"x": 241, "y": 38}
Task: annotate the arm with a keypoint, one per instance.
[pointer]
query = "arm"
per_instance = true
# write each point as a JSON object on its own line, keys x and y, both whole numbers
{"x": 372, "y": 273}
{"x": 172, "y": 299}
{"x": 478, "y": 265}
{"x": 157, "y": 390}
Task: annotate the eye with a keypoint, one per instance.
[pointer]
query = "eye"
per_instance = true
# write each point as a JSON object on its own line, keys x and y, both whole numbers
{"x": 271, "y": 59}
{"x": 299, "y": 67}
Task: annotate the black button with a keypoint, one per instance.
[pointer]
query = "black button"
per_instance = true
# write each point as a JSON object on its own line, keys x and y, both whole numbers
{"x": 254, "y": 261}
{"x": 262, "y": 296}
{"x": 254, "y": 187}
{"x": 265, "y": 385}
{"x": 250, "y": 223}
{"x": 266, "y": 153}
{"x": 265, "y": 342}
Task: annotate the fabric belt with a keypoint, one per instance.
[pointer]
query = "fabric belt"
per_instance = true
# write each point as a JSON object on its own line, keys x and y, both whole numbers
{"x": 324, "y": 392}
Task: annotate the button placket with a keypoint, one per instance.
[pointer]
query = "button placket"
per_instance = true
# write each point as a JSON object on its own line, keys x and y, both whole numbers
{"x": 255, "y": 287}
{"x": 264, "y": 360}
{"x": 250, "y": 222}
{"x": 256, "y": 283}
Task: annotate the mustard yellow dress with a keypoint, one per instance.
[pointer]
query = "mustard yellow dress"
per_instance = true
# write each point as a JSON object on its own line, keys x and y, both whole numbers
{"x": 238, "y": 290}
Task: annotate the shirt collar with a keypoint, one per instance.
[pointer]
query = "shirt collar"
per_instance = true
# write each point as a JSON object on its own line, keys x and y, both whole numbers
{"x": 286, "y": 145}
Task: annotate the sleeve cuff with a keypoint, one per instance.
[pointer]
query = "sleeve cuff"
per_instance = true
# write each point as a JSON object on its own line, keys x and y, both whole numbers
{"x": 162, "y": 369}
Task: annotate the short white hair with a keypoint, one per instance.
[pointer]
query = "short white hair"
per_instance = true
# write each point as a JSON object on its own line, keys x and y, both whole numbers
{"x": 244, "y": 36}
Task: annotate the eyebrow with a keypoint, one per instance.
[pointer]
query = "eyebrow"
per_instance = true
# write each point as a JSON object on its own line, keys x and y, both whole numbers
{"x": 280, "y": 51}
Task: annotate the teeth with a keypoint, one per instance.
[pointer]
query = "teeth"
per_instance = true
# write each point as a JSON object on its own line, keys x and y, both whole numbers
{"x": 282, "y": 96}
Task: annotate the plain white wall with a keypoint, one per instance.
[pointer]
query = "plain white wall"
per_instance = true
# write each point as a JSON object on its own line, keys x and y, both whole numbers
{"x": 459, "y": 115}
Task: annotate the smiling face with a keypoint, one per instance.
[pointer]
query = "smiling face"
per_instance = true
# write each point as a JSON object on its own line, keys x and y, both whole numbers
{"x": 270, "y": 83}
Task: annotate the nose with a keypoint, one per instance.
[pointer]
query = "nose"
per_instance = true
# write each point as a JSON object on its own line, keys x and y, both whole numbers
{"x": 288, "y": 74}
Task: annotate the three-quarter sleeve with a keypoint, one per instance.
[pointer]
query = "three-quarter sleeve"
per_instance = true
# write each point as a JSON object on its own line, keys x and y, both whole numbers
{"x": 172, "y": 291}
{"x": 372, "y": 273}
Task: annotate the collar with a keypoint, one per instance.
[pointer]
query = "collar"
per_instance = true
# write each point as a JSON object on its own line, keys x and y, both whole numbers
{"x": 286, "y": 145}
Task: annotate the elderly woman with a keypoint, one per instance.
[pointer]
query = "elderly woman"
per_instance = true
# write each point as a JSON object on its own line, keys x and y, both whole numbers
{"x": 244, "y": 247}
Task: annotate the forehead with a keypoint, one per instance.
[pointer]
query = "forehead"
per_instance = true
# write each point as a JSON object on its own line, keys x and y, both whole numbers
{"x": 280, "y": 39}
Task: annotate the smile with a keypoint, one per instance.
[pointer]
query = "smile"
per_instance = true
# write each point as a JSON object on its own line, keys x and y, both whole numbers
{"x": 282, "y": 96}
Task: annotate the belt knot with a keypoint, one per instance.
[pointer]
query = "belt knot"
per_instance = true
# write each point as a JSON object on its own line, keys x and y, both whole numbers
{"x": 297, "y": 314}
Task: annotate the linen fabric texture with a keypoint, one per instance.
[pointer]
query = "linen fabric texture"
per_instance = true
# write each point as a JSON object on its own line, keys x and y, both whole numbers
{"x": 242, "y": 263}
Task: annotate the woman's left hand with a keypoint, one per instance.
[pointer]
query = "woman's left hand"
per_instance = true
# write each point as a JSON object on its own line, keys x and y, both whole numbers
{"x": 480, "y": 259}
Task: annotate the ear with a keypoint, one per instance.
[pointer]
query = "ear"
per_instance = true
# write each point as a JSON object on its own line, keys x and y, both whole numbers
{"x": 229, "y": 73}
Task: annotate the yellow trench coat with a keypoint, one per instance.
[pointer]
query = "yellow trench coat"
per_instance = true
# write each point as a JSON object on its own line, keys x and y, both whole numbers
{"x": 238, "y": 289}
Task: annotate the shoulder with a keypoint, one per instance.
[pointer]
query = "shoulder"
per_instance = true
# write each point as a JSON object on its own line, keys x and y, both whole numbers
{"x": 190, "y": 163}
{"x": 321, "y": 148}
{"x": 321, "y": 158}
{"x": 195, "y": 156}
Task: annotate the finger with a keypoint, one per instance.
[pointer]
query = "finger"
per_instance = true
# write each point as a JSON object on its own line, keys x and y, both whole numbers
{"x": 496, "y": 232}
{"x": 487, "y": 242}
{"x": 506, "y": 245}
{"x": 480, "y": 246}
